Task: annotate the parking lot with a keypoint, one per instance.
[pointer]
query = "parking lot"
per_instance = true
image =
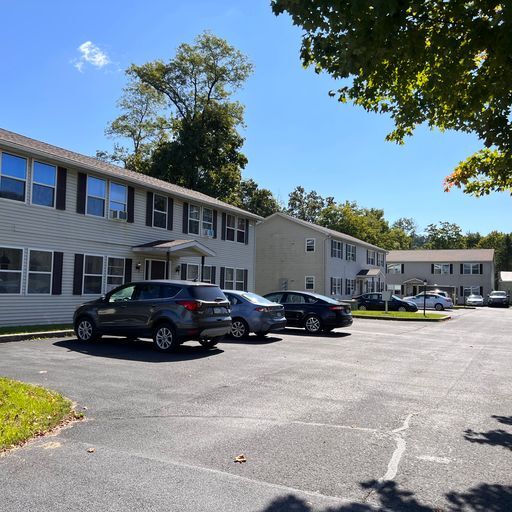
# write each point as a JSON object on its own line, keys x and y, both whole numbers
{"x": 381, "y": 415}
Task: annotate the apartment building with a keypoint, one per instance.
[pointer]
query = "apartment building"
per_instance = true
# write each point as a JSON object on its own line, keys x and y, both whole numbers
{"x": 73, "y": 227}
{"x": 292, "y": 254}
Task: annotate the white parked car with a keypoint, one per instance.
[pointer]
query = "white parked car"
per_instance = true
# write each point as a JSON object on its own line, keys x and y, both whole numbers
{"x": 432, "y": 301}
{"x": 474, "y": 300}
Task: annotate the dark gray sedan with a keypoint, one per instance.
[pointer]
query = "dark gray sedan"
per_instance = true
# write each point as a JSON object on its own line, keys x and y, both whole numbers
{"x": 253, "y": 313}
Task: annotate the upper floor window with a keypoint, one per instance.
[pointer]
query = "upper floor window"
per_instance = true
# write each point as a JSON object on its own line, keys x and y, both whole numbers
{"x": 394, "y": 268}
{"x": 118, "y": 201}
{"x": 194, "y": 216}
{"x": 350, "y": 252}
{"x": 310, "y": 244}
{"x": 44, "y": 182}
{"x": 336, "y": 249}
{"x": 40, "y": 272}
{"x": 235, "y": 228}
{"x": 441, "y": 268}
{"x": 13, "y": 177}
{"x": 471, "y": 268}
{"x": 208, "y": 222}
{"x": 160, "y": 211}
{"x": 370, "y": 258}
{"x": 11, "y": 266}
{"x": 96, "y": 196}
{"x": 380, "y": 259}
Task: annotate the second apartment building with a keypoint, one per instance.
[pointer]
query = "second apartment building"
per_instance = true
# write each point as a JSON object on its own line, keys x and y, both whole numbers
{"x": 292, "y": 254}
{"x": 73, "y": 227}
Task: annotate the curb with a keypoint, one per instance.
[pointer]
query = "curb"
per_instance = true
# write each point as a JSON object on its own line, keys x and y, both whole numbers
{"x": 35, "y": 335}
{"x": 389, "y": 318}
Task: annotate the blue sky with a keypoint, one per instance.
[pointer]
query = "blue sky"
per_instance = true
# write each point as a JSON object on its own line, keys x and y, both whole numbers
{"x": 295, "y": 135}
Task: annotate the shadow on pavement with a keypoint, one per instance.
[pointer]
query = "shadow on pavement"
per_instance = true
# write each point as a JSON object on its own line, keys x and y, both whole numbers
{"x": 506, "y": 420}
{"x": 253, "y": 340}
{"x": 138, "y": 350}
{"x": 388, "y": 497}
{"x": 498, "y": 437}
{"x": 302, "y": 332}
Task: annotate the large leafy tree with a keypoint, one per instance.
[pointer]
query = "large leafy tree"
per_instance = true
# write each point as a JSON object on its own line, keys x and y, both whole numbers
{"x": 446, "y": 235}
{"x": 257, "y": 200}
{"x": 444, "y": 63}
{"x": 306, "y": 205}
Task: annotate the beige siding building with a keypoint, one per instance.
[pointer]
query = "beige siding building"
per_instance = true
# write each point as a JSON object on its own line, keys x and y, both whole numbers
{"x": 292, "y": 254}
{"x": 73, "y": 227}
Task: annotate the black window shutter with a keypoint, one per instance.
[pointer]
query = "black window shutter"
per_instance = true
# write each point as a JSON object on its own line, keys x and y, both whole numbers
{"x": 355, "y": 252}
{"x": 461, "y": 268}
{"x": 482, "y": 291}
{"x": 223, "y": 227}
{"x": 431, "y": 268}
{"x": 131, "y": 204}
{"x": 332, "y": 281}
{"x": 78, "y": 274}
{"x": 246, "y": 236}
{"x": 212, "y": 273}
{"x": 60, "y": 200}
{"x": 451, "y": 268}
{"x": 170, "y": 213}
{"x": 183, "y": 271}
{"x": 146, "y": 276}
{"x": 214, "y": 223}
{"x": 481, "y": 269}
{"x": 246, "y": 279}
{"x": 332, "y": 255}
{"x": 222, "y": 272}
{"x": 127, "y": 270}
{"x": 185, "y": 218}
{"x": 58, "y": 258}
{"x": 149, "y": 209}
{"x": 81, "y": 191}
{"x": 367, "y": 257}
{"x": 403, "y": 268}
{"x": 462, "y": 291}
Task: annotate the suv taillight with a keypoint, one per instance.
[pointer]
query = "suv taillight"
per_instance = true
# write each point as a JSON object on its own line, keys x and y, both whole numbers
{"x": 190, "y": 305}
{"x": 336, "y": 308}
{"x": 262, "y": 309}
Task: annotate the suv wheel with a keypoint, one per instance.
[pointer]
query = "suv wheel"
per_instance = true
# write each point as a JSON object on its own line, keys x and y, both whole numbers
{"x": 85, "y": 330}
{"x": 362, "y": 308}
{"x": 402, "y": 309}
{"x": 164, "y": 338}
{"x": 439, "y": 307}
{"x": 211, "y": 342}
{"x": 313, "y": 324}
{"x": 239, "y": 328}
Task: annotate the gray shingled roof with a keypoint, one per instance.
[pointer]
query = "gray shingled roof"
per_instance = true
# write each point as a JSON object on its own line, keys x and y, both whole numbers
{"x": 70, "y": 158}
{"x": 326, "y": 231}
{"x": 441, "y": 255}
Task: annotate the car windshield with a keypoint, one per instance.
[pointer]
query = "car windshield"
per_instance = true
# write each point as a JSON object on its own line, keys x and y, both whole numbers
{"x": 498, "y": 294}
{"x": 475, "y": 297}
{"x": 396, "y": 297}
{"x": 255, "y": 299}
{"x": 208, "y": 293}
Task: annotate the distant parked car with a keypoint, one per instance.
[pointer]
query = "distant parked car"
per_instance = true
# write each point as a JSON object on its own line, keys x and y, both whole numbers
{"x": 498, "y": 298}
{"x": 474, "y": 300}
{"x": 432, "y": 301}
{"x": 437, "y": 292}
{"x": 312, "y": 311}
{"x": 254, "y": 313}
{"x": 375, "y": 302}
{"x": 171, "y": 312}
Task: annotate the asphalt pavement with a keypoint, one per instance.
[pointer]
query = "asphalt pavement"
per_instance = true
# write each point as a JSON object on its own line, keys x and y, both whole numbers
{"x": 379, "y": 416}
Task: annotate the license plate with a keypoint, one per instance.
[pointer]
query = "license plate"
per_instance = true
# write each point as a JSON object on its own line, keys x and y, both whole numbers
{"x": 219, "y": 311}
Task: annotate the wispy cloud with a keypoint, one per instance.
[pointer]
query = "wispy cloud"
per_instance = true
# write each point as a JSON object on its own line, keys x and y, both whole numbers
{"x": 91, "y": 54}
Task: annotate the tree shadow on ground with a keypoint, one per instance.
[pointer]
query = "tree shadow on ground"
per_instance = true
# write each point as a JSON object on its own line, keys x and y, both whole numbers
{"x": 138, "y": 350}
{"x": 506, "y": 420}
{"x": 387, "y": 497}
{"x": 498, "y": 437}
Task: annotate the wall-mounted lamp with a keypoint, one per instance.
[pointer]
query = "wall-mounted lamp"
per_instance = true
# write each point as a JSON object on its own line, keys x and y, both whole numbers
{"x": 177, "y": 269}
{"x": 138, "y": 266}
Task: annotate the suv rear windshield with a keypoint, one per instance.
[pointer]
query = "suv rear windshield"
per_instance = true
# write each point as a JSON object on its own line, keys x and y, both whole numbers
{"x": 498, "y": 294}
{"x": 208, "y": 293}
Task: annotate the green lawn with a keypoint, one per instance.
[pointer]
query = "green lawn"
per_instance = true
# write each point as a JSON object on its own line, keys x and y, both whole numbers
{"x": 27, "y": 410}
{"x": 398, "y": 314}
{"x": 23, "y": 329}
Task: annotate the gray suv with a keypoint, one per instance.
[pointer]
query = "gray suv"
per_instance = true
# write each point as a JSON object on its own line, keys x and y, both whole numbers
{"x": 171, "y": 312}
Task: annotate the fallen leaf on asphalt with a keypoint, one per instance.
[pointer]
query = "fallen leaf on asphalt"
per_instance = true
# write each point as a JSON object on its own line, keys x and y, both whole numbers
{"x": 51, "y": 446}
{"x": 91, "y": 450}
{"x": 43, "y": 371}
{"x": 240, "y": 459}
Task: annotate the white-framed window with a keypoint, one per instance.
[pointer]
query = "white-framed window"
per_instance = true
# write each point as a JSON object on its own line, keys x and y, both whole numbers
{"x": 471, "y": 290}
{"x": 370, "y": 260}
{"x": 394, "y": 268}
{"x": 207, "y": 222}
{"x": 96, "y": 196}
{"x": 240, "y": 231}
{"x": 234, "y": 278}
{"x": 192, "y": 272}
{"x": 40, "y": 268}
{"x": 207, "y": 274}
{"x": 230, "y": 228}
{"x": 350, "y": 286}
{"x": 11, "y": 269}
{"x": 93, "y": 275}
{"x": 471, "y": 268}
{"x": 118, "y": 200}
{"x": 350, "y": 252}
{"x": 160, "y": 211}
{"x": 336, "y": 249}
{"x": 337, "y": 286}
{"x": 395, "y": 288}
{"x": 115, "y": 272}
{"x": 310, "y": 244}
{"x": 441, "y": 268}
{"x": 13, "y": 177}
{"x": 44, "y": 184}
{"x": 194, "y": 218}
{"x": 380, "y": 259}
{"x": 235, "y": 228}
{"x": 309, "y": 283}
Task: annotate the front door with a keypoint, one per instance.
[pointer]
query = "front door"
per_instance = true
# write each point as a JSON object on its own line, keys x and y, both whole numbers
{"x": 156, "y": 269}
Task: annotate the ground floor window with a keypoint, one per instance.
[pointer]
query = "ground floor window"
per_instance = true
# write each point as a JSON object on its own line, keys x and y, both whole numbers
{"x": 192, "y": 272}
{"x": 336, "y": 286}
{"x": 40, "y": 264}
{"x": 234, "y": 279}
{"x": 471, "y": 290}
{"x": 350, "y": 286}
{"x": 156, "y": 269}
{"x": 309, "y": 283}
{"x": 207, "y": 274}
{"x": 395, "y": 288}
{"x": 11, "y": 266}
{"x": 93, "y": 275}
{"x": 115, "y": 272}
